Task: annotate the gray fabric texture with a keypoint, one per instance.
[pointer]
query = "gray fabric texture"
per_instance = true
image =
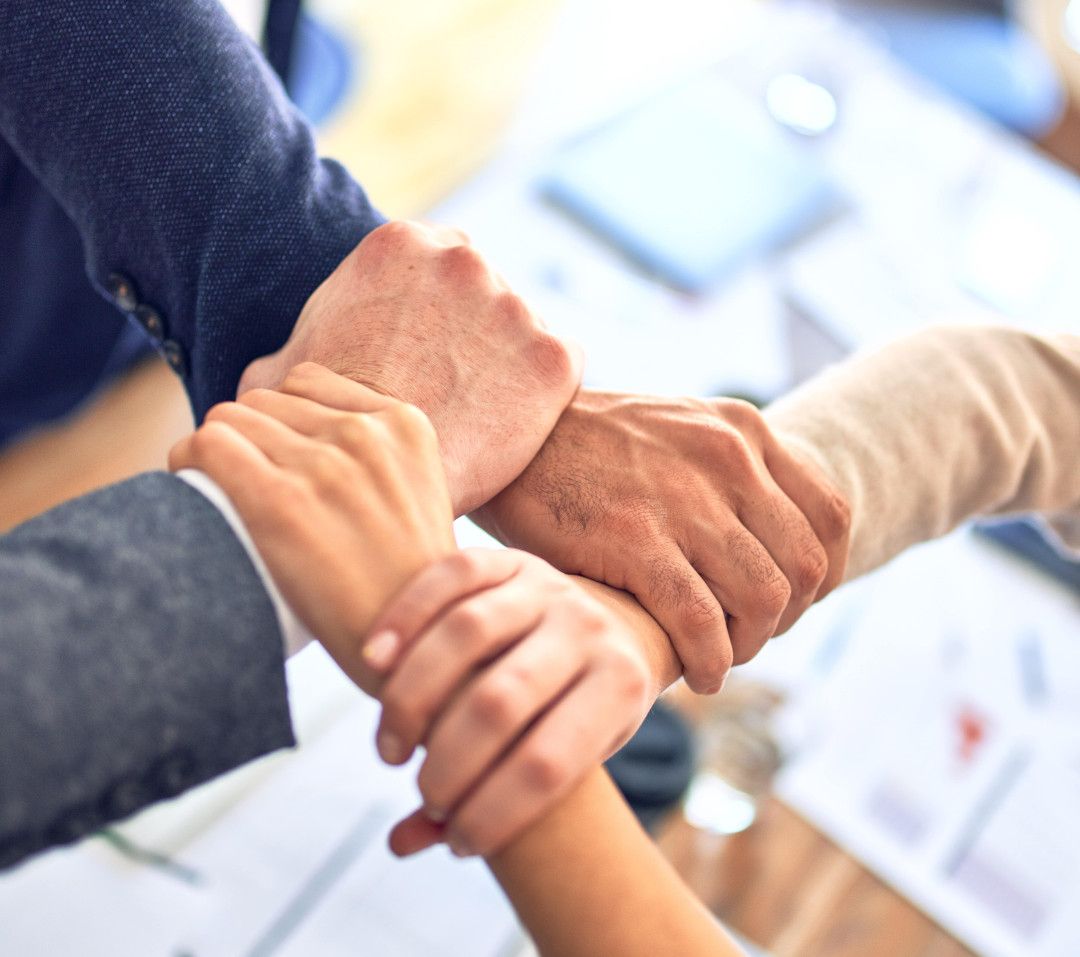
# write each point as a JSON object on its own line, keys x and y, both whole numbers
{"x": 139, "y": 656}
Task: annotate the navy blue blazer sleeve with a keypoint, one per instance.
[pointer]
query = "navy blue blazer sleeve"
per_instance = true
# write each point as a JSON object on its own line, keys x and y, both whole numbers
{"x": 139, "y": 656}
{"x": 203, "y": 206}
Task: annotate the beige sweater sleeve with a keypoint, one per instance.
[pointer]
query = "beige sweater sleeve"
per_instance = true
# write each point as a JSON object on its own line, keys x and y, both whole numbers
{"x": 946, "y": 424}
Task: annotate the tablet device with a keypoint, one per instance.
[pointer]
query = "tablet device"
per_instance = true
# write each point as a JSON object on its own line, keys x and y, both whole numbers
{"x": 692, "y": 183}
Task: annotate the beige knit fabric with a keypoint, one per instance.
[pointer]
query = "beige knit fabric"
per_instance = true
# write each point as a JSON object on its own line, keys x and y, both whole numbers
{"x": 948, "y": 423}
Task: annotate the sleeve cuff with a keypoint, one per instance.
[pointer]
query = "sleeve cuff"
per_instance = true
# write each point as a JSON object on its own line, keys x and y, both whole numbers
{"x": 293, "y": 632}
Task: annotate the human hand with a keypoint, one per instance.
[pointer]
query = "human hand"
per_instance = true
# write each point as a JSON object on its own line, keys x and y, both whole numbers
{"x": 416, "y": 313}
{"x": 518, "y": 683}
{"x": 691, "y": 505}
{"x": 342, "y": 491}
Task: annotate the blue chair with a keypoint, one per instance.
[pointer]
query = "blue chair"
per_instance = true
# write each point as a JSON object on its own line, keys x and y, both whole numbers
{"x": 321, "y": 70}
{"x": 974, "y": 52}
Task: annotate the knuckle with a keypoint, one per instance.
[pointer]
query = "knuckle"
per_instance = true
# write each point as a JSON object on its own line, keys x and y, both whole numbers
{"x": 472, "y": 567}
{"x": 744, "y": 416}
{"x": 463, "y": 263}
{"x": 329, "y": 466}
{"x": 219, "y": 413}
{"x": 209, "y": 437}
{"x": 388, "y": 243}
{"x": 591, "y": 620}
{"x": 732, "y": 448}
{"x": 398, "y": 227}
{"x": 810, "y": 569}
{"x": 468, "y": 565}
{"x": 510, "y": 309}
{"x": 493, "y": 703}
{"x": 707, "y": 675}
{"x": 282, "y": 497}
{"x": 635, "y": 522}
{"x": 393, "y": 233}
{"x": 413, "y": 423}
{"x": 773, "y": 596}
{"x": 702, "y": 613}
{"x": 836, "y": 516}
{"x": 302, "y": 374}
{"x": 353, "y": 431}
{"x": 467, "y": 623}
{"x": 256, "y": 398}
{"x": 550, "y": 358}
{"x": 543, "y": 770}
{"x": 705, "y": 649}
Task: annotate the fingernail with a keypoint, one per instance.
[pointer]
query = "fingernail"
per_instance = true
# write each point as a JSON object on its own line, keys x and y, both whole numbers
{"x": 459, "y": 847}
{"x": 391, "y": 747}
{"x": 381, "y": 649}
{"x": 435, "y": 815}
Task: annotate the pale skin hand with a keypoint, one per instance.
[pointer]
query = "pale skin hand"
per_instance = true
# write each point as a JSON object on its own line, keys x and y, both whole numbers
{"x": 344, "y": 507}
{"x": 416, "y": 313}
{"x": 519, "y": 683}
{"x": 692, "y": 506}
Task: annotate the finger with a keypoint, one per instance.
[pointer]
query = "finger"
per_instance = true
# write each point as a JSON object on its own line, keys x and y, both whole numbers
{"x": 750, "y": 586}
{"x": 415, "y": 833}
{"x": 275, "y": 440}
{"x": 309, "y": 380}
{"x": 825, "y": 509}
{"x": 302, "y": 415}
{"x": 487, "y": 717}
{"x": 775, "y": 521}
{"x": 236, "y": 464}
{"x": 471, "y": 632}
{"x": 541, "y": 769}
{"x": 668, "y": 588}
{"x": 181, "y": 455}
{"x": 429, "y": 593}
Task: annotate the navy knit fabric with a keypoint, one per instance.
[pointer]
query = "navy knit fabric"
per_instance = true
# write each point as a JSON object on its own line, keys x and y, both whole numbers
{"x": 168, "y": 141}
{"x": 58, "y": 337}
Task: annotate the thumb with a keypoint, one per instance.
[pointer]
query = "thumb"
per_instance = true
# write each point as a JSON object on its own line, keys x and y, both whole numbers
{"x": 415, "y": 833}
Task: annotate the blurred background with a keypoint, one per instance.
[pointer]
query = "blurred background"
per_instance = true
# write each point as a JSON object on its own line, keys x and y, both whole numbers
{"x": 713, "y": 198}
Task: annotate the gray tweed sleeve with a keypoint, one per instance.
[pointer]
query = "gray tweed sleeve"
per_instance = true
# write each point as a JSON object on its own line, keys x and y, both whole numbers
{"x": 139, "y": 656}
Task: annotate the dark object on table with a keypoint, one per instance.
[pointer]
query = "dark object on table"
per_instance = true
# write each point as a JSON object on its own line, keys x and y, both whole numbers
{"x": 653, "y": 769}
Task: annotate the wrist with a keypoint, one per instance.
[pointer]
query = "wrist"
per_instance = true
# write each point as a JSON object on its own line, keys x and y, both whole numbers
{"x": 663, "y": 663}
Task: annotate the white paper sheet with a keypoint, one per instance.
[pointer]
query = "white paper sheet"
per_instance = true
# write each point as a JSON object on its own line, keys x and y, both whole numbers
{"x": 945, "y": 743}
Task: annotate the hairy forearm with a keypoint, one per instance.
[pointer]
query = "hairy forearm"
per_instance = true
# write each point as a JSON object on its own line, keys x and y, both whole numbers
{"x": 933, "y": 429}
{"x": 587, "y": 880}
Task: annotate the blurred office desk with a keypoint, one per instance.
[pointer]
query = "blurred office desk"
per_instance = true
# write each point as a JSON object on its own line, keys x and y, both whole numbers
{"x": 788, "y": 888}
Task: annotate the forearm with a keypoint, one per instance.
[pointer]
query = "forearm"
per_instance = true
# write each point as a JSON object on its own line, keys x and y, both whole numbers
{"x": 941, "y": 426}
{"x": 587, "y": 880}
